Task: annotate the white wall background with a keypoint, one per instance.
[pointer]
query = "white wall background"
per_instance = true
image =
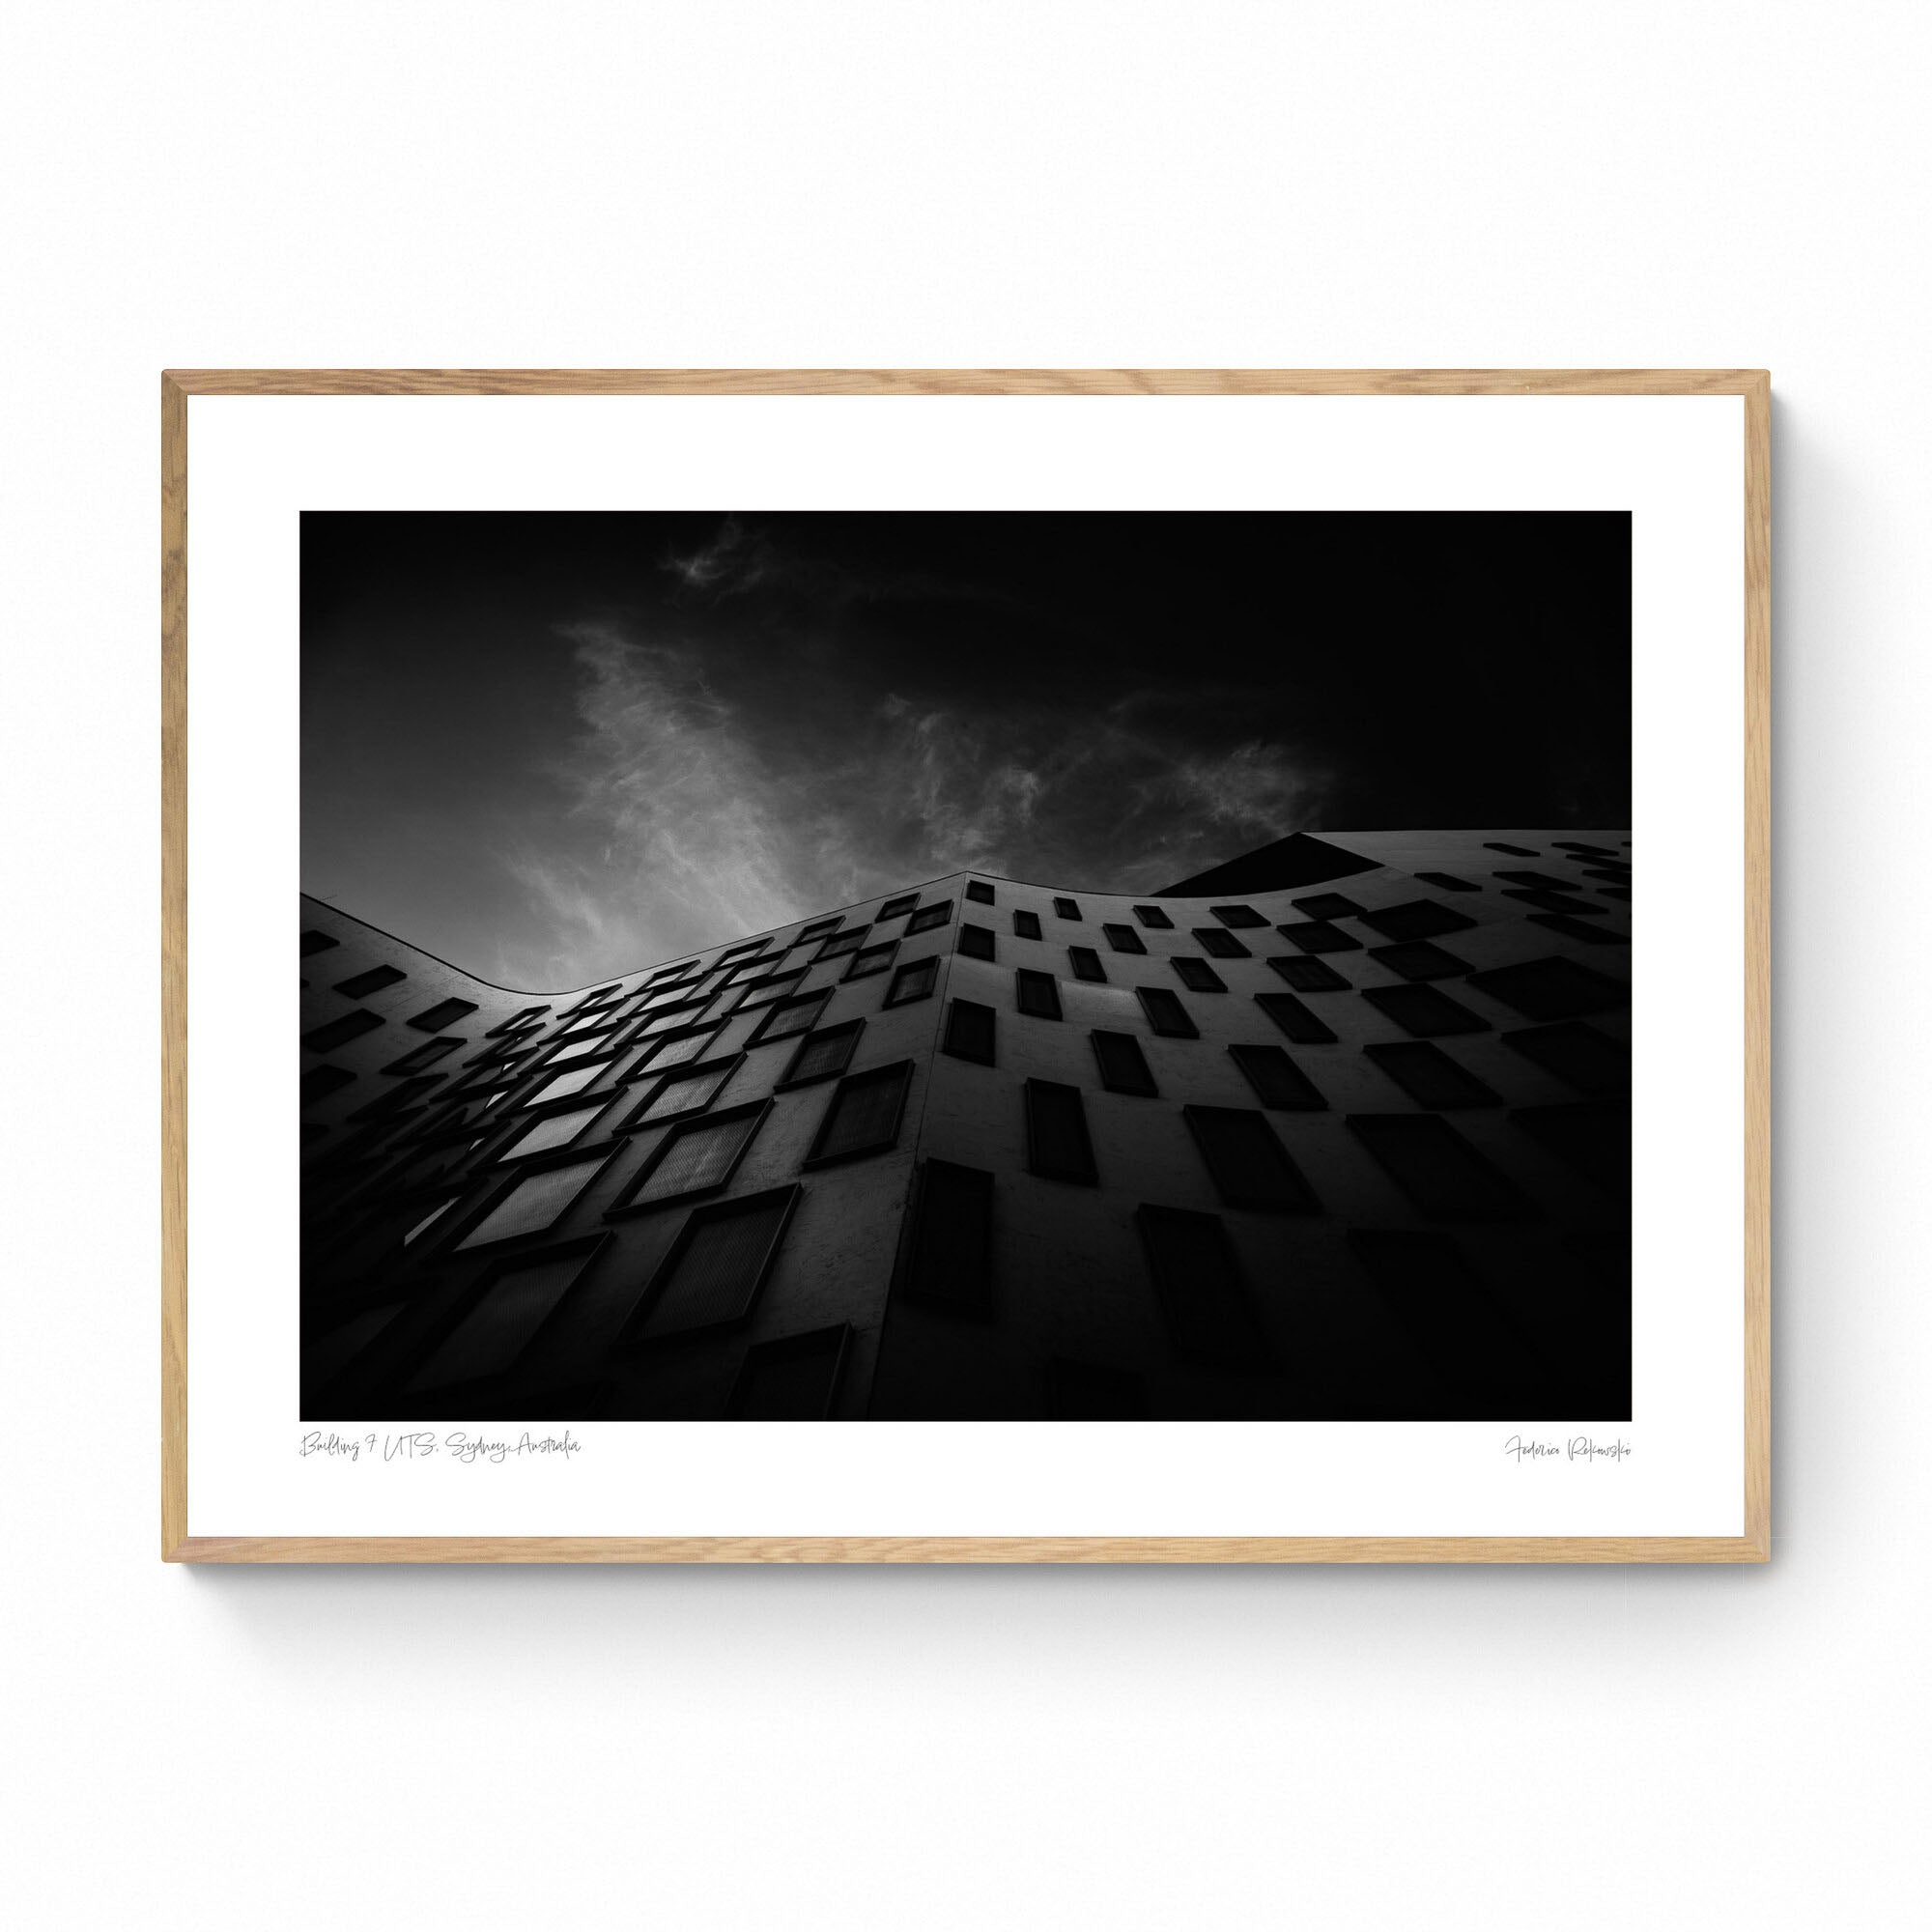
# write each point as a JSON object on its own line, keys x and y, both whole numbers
{"x": 1341, "y": 183}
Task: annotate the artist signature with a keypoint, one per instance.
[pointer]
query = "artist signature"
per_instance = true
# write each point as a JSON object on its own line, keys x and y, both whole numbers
{"x": 1577, "y": 1449}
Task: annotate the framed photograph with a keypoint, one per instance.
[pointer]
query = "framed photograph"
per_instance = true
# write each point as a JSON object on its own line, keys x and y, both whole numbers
{"x": 956, "y": 966}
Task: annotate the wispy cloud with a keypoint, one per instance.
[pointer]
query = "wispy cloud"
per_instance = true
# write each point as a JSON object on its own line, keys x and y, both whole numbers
{"x": 700, "y": 808}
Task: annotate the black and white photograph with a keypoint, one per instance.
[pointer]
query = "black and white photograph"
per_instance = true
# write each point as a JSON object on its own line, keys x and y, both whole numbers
{"x": 952, "y": 966}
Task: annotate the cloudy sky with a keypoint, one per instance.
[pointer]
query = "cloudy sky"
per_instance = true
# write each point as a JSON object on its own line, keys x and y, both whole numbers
{"x": 553, "y": 747}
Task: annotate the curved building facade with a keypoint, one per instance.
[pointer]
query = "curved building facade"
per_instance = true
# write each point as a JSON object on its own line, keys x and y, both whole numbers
{"x": 1351, "y": 1142}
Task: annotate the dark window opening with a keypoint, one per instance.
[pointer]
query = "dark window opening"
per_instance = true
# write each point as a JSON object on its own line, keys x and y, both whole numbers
{"x": 1419, "y": 959}
{"x": 862, "y": 1115}
{"x": 339, "y": 1032}
{"x": 1317, "y": 935}
{"x": 951, "y": 1259}
{"x": 1277, "y": 1081}
{"x": 1541, "y": 881}
{"x": 1424, "y": 1012}
{"x": 446, "y": 1012}
{"x": 979, "y": 892}
{"x": 1124, "y": 939}
{"x": 1467, "y": 1339}
{"x": 1165, "y": 1015}
{"x": 361, "y": 984}
{"x": 1123, "y": 1067}
{"x": 320, "y": 1082}
{"x": 1038, "y": 994}
{"x": 1327, "y": 905}
{"x": 970, "y": 1031}
{"x": 1590, "y": 1137}
{"x": 1198, "y": 1283}
{"x": 843, "y": 943}
{"x": 871, "y": 959}
{"x": 1549, "y": 901}
{"x": 317, "y": 941}
{"x": 1294, "y": 1019}
{"x": 820, "y": 1055}
{"x": 697, "y": 1157}
{"x": 785, "y": 1017}
{"x": 1249, "y": 1165}
{"x": 1058, "y": 1146}
{"x": 1443, "y": 1176}
{"x": 1086, "y": 964}
{"x": 1447, "y": 882}
{"x": 1155, "y": 917}
{"x": 1198, "y": 977}
{"x": 712, "y": 1273}
{"x": 1417, "y": 918}
{"x": 976, "y": 942}
{"x": 793, "y": 1379}
{"x": 929, "y": 917}
{"x": 1577, "y": 929}
{"x": 898, "y": 908}
{"x": 911, "y": 982}
{"x": 1576, "y": 1054}
{"x": 1428, "y": 1076}
{"x": 1026, "y": 924}
{"x": 425, "y": 1055}
{"x": 1515, "y": 851}
{"x": 1552, "y": 988}
{"x": 1066, "y": 908}
{"x": 1309, "y": 974}
{"x": 1219, "y": 943}
{"x": 1238, "y": 914}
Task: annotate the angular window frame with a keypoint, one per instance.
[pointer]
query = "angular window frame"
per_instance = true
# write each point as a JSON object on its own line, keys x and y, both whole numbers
{"x": 628, "y": 1204}
{"x": 635, "y": 1329}
{"x": 899, "y": 1072}
{"x": 854, "y": 1030}
{"x": 1083, "y": 1174}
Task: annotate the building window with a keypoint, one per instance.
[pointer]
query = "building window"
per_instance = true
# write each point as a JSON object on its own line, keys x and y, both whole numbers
{"x": 1428, "y": 1076}
{"x": 1577, "y": 1055}
{"x": 843, "y": 943}
{"x": 914, "y": 981}
{"x": 1038, "y": 994}
{"x": 517, "y": 1021}
{"x": 871, "y": 959}
{"x": 1276, "y": 1079}
{"x": 674, "y": 1019}
{"x": 500, "y": 1326}
{"x": 1434, "y": 1293}
{"x": 712, "y": 1273}
{"x": 861, "y": 1116}
{"x": 1026, "y": 926}
{"x": 1447, "y": 882}
{"x": 576, "y": 1049}
{"x": 976, "y": 942}
{"x": 1426, "y": 1013}
{"x": 790, "y": 1380}
{"x": 1086, "y": 964}
{"x": 738, "y": 951}
{"x": 785, "y": 1017}
{"x": 1419, "y": 959}
{"x": 1443, "y": 1175}
{"x": 688, "y": 1090}
{"x": 1219, "y": 943}
{"x": 534, "y": 1202}
{"x": 818, "y": 929}
{"x": 1543, "y": 901}
{"x": 824, "y": 1054}
{"x": 339, "y": 1032}
{"x": 1165, "y": 1015}
{"x": 1155, "y": 917}
{"x": 1515, "y": 851}
{"x": 970, "y": 1031}
{"x": 1198, "y": 1283}
{"x": 929, "y": 917}
{"x": 548, "y": 1132}
{"x": 446, "y": 1012}
{"x": 398, "y": 1097}
{"x": 1123, "y": 1067}
{"x": 560, "y": 1086}
{"x": 979, "y": 892}
{"x": 1124, "y": 939}
{"x": 1058, "y": 1148}
{"x": 423, "y": 1223}
{"x": 951, "y": 1259}
{"x": 1198, "y": 977}
{"x": 320, "y": 1082}
{"x": 1590, "y": 1137}
{"x": 1066, "y": 908}
{"x": 697, "y": 1157}
{"x": 1238, "y": 914}
{"x": 1294, "y": 1019}
{"x": 1308, "y": 975}
{"x": 1249, "y": 1165}
{"x": 361, "y": 984}
{"x": 1417, "y": 918}
{"x": 898, "y": 908}
{"x": 1317, "y": 935}
{"x": 677, "y": 1050}
{"x": 762, "y": 992}
{"x": 601, "y": 997}
{"x": 317, "y": 941}
{"x": 1577, "y": 929}
{"x": 1552, "y": 988}
{"x": 1326, "y": 905}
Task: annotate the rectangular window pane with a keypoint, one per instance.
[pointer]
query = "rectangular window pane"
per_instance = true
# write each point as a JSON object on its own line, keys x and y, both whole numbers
{"x": 1437, "y": 1295}
{"x": 491, "y": 1336}
{"x": 952, "y": 1256}
{"x": 320, "y": 1082}
{"x": 1238, "y": 914}
{"x": 1591, "y": 1137}
{"x": 1250, "y": 1166}
{"x": 1317, "y": 935}
{"x": 1086, "y": 964}
{"x": 1026, "y": 924}
{"x": 426, "y": 1055}
{"x": 818, "y": 929}
{"x": 822, "y": 1054}
{"x": 1419, "y": 959}
{"x": 1066, "y": 908}
{"x": 1124, "y": 939}
{"x": 562, "y": 1084}
{"x": 792, "y": 1016}
{"x": 763, "y": 992}
{"x": 700, "y": 1155}
{"x": 871, "y": 959}
{"x": 371, "y": 981}
{"x": 715, "y": 1267}
{"x": 976, "y": 942}
{"x": 317, "y": 941}
{"x": 1417, "y": 918}
{"x": 1123, "y": 1067}
{"x": 552, "y": 1130}
{"x": 862, "y": 1115}
{"x": 1058, "y": 1146}
{"x": 1551, "y": 989}
{"x": 791, "y": 1380}
{"x": 898, "y": 908}
{"x": 1427, "y": 1075}
{"x": 1155, "y": 917}
{"x": 1425, "y": 1011}
{"x": 680, "y": 1048}
{"x": 979, "y": 892}
{"x": 1198, "y": 977}
{"x": 1197, "y": 1281}
{"x": 1218, "y": 944}
{"x": 1327, "y": 905}
{"x": 1437, "y": 1169}
{"x": 1165, "y": 1015}
{"x": 1038, "y": 994}
{"x": 339, "y": 1032}
{"x": 1581, "y": 929}
{"x": 447, "y": 1013}
{"x": 684, "y": 1092}
{"x": 1576, "y": 1054}
{"x": 913, "y": 982}
{"x": 843, "y": 943}
{"x": 1276, "y": 1079}
{"x": 536, "y": 1202}
{"x": 970, "y": 1030}
{"x": 1309, "y": 975}
{"x": 929, "y": 917}
{"x": 1294, "y": 1019}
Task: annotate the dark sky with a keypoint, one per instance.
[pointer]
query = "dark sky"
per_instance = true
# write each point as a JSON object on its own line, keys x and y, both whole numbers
{"x": 552, "y": 747}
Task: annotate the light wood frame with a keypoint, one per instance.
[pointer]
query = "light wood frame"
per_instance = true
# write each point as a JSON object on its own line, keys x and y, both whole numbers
{"x": 1753, "y": 1545}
